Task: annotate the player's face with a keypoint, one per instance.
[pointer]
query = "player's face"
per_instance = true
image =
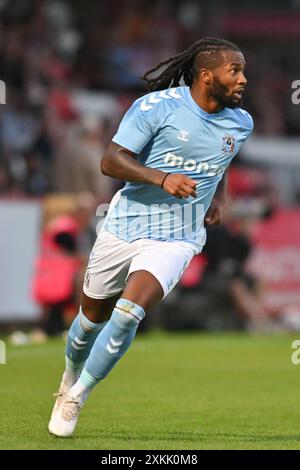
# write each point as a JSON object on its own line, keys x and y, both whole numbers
{"x": 229, "y": 80}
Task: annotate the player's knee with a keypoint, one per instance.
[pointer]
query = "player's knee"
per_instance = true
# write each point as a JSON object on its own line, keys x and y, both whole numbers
{"x": 90, "y": 314}
{"x": 127, "y": 314}
{"x": 93, "y": 313}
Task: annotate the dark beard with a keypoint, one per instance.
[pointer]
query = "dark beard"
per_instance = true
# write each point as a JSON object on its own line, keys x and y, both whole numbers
{"x": 218, "y": 92}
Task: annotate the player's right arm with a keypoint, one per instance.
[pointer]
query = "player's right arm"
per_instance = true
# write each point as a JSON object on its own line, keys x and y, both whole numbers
{"x": 137, "y": 128}
{"x": 121, "y": 163}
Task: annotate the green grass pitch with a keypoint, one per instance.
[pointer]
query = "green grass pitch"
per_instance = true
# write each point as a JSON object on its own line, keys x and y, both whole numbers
{"x": 179, "y": 391}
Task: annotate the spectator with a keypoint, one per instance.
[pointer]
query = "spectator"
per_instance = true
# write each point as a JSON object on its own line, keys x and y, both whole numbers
{"x": 78, "y": 162}
{"x": 54, "y": 283}
{"x": 227, "y": 250}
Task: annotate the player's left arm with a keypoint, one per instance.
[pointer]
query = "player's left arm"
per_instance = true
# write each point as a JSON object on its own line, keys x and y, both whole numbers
{"x": 214, "y": 215}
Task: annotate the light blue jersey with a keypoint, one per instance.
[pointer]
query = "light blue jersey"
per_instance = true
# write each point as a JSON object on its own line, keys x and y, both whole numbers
{"x": 170, "y": 132}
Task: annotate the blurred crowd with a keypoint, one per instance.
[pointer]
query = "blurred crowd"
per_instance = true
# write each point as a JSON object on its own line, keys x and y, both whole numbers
{"x": 71, "y": 70}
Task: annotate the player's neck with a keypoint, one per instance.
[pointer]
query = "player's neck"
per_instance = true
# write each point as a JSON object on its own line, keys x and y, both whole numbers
{"x": 207, "y": 103}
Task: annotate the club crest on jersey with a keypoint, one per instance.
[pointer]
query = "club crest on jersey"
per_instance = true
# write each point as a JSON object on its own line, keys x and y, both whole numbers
{"x": 183, "y": 135}
{"x": 228, "y": 144}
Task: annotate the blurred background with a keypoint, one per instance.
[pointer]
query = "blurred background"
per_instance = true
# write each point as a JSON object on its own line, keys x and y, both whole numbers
{"x": 71, "y": 70}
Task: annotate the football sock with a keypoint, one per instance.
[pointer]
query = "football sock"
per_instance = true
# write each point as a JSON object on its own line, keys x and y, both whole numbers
{"x": 109, "y": 347}
{"x": 81, "y": 338}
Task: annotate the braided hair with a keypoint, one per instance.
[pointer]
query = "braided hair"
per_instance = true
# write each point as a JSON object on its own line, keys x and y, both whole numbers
{"x": 186, "y": 65}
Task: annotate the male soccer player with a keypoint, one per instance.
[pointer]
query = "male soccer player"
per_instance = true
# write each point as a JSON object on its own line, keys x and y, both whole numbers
{"x": 172, "y": 148}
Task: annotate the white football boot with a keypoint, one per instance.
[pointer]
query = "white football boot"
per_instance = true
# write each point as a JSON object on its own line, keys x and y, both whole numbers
{"x": 63, "y": 422}
{"x": 63, "y": 390}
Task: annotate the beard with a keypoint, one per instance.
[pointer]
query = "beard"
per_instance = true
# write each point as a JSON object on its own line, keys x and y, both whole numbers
{"x": 220, "y": 93}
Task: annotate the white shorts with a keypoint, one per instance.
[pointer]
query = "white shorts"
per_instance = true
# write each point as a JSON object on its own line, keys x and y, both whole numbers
{"x": 113, "y": 259}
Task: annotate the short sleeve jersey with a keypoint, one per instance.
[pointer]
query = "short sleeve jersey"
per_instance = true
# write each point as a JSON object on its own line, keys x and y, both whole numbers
{"x": 169, "y": 131}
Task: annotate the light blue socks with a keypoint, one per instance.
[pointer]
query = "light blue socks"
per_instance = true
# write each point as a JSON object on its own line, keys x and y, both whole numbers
{"x": 110, "y": 345}
{"x": 81, "y": 338}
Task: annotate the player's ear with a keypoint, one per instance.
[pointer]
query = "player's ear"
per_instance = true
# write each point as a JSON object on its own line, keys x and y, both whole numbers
{"x": 205, "y": 75}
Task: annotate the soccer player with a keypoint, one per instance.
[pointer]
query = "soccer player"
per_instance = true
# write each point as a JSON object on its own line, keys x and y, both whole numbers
{"x": 172, "y": 148}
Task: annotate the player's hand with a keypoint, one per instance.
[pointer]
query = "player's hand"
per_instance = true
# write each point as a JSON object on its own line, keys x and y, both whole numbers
{"x": 214, "y": 215}
{"x": 180, "y": 186}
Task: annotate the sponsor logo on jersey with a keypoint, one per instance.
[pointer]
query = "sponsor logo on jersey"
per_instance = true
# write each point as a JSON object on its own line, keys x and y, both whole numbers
{"x": 190, "y": 164}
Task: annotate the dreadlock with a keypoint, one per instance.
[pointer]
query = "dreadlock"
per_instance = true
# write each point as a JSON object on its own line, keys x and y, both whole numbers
{"x": 186, "y": 65}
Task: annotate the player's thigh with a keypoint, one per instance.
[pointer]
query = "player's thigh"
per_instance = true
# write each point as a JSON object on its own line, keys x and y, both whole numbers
{"x": 143, "y": 289}
{"x": 98, "y": 310}
{"x": 155, "y": 271}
